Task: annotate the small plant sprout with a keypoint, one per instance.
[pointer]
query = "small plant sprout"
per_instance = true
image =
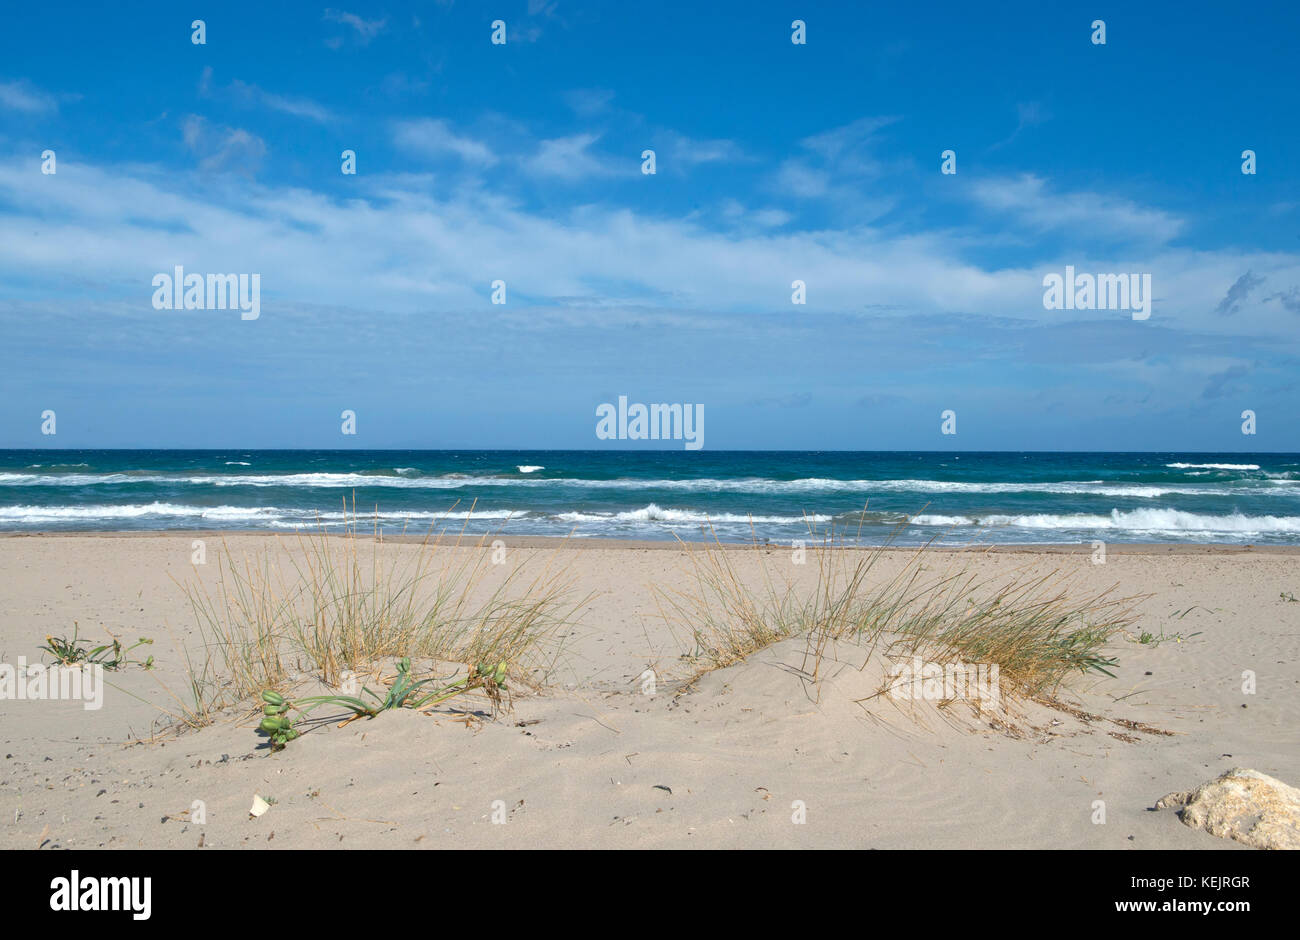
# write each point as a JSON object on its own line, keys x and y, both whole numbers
{"x": 72, "y": 651}
{"x": 277, "y": 724}
{"x": 1147, "y": 638}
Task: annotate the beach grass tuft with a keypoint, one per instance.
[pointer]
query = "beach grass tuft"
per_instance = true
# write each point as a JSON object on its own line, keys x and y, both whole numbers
{"x": 331, "y": 605}
{"x": 1033, "y": 625}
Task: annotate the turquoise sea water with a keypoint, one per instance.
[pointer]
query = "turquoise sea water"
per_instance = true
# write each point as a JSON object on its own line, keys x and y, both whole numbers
{"x": 781, "y": 496}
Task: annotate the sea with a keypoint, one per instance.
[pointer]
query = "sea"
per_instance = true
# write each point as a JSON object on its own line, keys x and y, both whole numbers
{"x": 736, "y": 496}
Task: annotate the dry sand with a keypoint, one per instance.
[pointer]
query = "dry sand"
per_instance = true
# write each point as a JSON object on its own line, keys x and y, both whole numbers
{"x": 593, "y": 761}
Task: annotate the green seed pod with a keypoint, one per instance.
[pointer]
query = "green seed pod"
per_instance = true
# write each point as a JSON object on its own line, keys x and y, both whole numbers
{"x": 272, "y": 698}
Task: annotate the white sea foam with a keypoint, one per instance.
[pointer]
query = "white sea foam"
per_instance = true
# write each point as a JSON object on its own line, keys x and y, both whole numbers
{"x": 1135, "y": 521}
{"x": 1213, "y": 466}
{"x": 30, "y": 514}
{"x": 655, "y": 514}
{"x": 362, "y": 518}
{"x": 529, "y": 468}
{"x": 271, "y": 514}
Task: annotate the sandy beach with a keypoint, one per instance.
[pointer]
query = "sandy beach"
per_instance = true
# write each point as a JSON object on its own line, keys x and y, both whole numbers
{"x": 595, "y": 759}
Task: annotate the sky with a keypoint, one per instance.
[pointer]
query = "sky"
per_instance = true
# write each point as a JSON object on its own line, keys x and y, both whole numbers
{"x": 775, "y": 162}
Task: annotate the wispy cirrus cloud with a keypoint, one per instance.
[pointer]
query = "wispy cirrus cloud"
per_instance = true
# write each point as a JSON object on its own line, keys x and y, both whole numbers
{"x": 850, "y": 146}
{"x": 836, "y": 164}
{"x": 24, "y": 96}
{"x": 589, "y": 102}
{"x": 1028, "y": 114}
{"x": 366, "y": 30}
{"x": 250, "y": 95}
{"x": 1031, "y": 202}
{"x": 434, "y": 137}
{"x": 741, "y": 216}
{"x": 686, "y": 152}
{"x": 570, "y": 159}
{"x": 287, "y": 104}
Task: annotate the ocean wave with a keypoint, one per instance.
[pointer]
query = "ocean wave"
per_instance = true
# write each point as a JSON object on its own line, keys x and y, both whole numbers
{"x": 362, "y": 518}
{"x": 1137, "y": 520}
{"x": 755, "y": 485}
{"x": 307, "y": 480}
{"x": 654, "y": 513}
{"x": 238, "y": 463}
{"x": 160, "y": 510}
{"x": 270, "y": 514}
{"x": 1213, "y": 466}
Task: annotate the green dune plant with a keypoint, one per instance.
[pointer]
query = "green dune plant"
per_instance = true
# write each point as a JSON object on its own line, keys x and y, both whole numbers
{"x": 277, "y": 723}
{"x": 70, "y": 651}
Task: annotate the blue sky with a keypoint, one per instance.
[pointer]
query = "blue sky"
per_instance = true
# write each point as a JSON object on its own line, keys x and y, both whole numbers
{"x": 775, "y": 162}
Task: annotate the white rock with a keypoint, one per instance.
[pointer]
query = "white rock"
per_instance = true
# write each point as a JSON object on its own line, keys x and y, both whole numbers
{"x": 1246, "y": 805}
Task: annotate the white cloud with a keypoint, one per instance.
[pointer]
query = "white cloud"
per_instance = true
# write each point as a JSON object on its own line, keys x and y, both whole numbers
{"x": 798, "y": 179}
{"x": 249, "y": 94}
{"x": 366, "y": 29}
{"x": 434, "y": 137}
{"x": 687, "y": 152}
{"x": 398, "y": 244}
{"x": 23, "y": 96}
{"x": 221, "y": 148}
{"x": 771, "y": 218}
{"x": 298, "y": 107}
{"x": 587, "y": 102}
{"x": 569, "y": 158}
{"x": 835, "y": 165}
{"x": 737, "y": 214}
{"x": 848, "y": 144}
{"x": 1028, "y": 199}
